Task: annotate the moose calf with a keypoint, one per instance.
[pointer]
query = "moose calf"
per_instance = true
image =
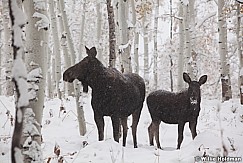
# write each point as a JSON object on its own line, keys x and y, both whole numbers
{"x": 175, "y": 108}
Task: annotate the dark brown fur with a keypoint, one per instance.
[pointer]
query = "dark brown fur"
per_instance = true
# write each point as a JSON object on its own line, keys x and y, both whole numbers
{"x": 113, "y": 94}
{"x": 175, "y": 108}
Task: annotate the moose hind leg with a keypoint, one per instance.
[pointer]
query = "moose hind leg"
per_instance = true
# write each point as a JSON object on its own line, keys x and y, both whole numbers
{"x": 155, "y": 126}
{"x": 151, "y": 134}
{"x": 124, "y": 129}
{"x": 193, "y": 126}
{"x": 99, "y": 120}
{"x": 115, "y": 125}
{"x": 180, "y": 134}
{"x": 135, "y": 119}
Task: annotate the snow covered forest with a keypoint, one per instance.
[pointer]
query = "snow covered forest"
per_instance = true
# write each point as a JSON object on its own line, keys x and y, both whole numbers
{"x": 46, "y": 119}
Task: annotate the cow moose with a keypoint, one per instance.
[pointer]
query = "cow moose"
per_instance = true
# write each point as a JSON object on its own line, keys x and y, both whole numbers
{"x": 113, "y": 94}
{"x": 175, "y": 108}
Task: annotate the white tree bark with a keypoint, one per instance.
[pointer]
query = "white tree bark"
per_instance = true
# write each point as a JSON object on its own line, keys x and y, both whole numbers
{"x": 81, "y": 44}
{"x": 99, "y": 31}
{"x": 180, "y": 85}
{"x": 68, "y": 87}
{"x": 49, "y": 76}
{"x": 193, "y": 53}
{"x": 1, "y": 67}
{"x": 36, "y": 43}
{"x": 8, "y": 56}
{"x": 56, "y": 48}
{"x": 78, "y": 96}
{"x": 188, "y": 46}
{"x": 125, "y": 47}
{"x": 155, "y": 70}
{"x": 136, "y": 37}
{"x": 225, "y": 77}
{"x": 146, "y": 55}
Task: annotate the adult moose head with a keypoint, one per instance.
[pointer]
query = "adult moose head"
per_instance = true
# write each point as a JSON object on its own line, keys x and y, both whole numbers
{"x": 175, "y": 108}
{"x": 113, "y": 94}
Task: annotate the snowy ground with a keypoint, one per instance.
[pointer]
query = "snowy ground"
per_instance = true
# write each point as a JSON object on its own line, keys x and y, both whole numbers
{"x": 60, "y": 129}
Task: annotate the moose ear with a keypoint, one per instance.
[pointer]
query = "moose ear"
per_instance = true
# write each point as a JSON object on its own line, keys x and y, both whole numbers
{"x": 92, "y": 52}
{"x": 203, "y": 79}
{"x": 186, "y": 78}
{"x": 87, "y": 50}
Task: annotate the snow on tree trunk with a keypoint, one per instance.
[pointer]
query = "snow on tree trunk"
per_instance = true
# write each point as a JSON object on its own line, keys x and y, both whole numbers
{"x": 125, "y": 45}
{"x": 36, "y": 43}
{"x": 180, "y": 84}
{"x": 225, "y": 76}
{"x": 112, "y": 34}
{"x": 56, "y": 48}
{"x": 99, "y": 31}
{"x": 19, "y": 73}
{"x": 79, "y": 97}
{"x": 8, "y": 56}
{"x": 155, "y": 70}
{"x": 239, "y": 34}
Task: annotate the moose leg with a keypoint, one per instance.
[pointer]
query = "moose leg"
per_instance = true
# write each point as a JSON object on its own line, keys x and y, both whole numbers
{"x": 155, "y": 129}
{"x": 180, "y": 134}
{"x": 115, "y": 125}
{"x": 135, "y": 119}
{"x": 151, "y": 134}
{"x": 192, "y": 126}
{"x": 124, "y": 128}
{"x": 99, "y": 120}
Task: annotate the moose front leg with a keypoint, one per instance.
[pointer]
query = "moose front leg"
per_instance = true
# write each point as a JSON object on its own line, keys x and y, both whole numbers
{"x": 192, "y": 126}
{"x": 124, "y": 129}
{"x": 180, "y": 134}
{"x": 115, "y": 125}
{"x": 99, "y": 120}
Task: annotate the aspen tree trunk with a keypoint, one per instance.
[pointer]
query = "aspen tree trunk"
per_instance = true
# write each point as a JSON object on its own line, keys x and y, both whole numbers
{"x": 99, "y": 31}
{"x": 155, "y": 70}
{"x": 146, "y": 57}
{"x": 112, "y": 34}
{"x": 56, "y": 47}
{"x": 79, "y": 103}
{"x": 36, "y": 52}
{"x": 239, "y": 34}
{"x": 48, "y": 75}
{"x": 171, "y": 61}
{"x": 81, "y": 45}
{"x": 69, "y": 87}
{"x": 193, "y": 64}
{"x": 181, "y": 49}
{"x": 188, "y": 47}
{"x": 136, "y": 37}
{"x": 1, "y": 79}
{"x": 225, "y": 76}
{"x": 8, "y": 56}
{"x": 123, "y": 8}
{"x": 19, "y": 81}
